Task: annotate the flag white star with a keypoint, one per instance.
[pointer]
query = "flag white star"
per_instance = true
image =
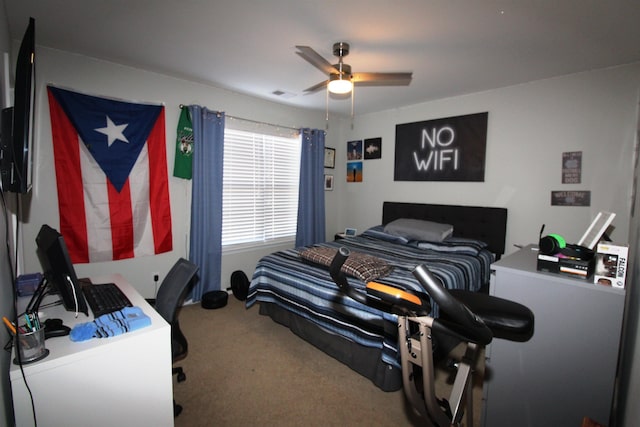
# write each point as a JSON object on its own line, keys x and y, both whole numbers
{"x": 113, "y": 132}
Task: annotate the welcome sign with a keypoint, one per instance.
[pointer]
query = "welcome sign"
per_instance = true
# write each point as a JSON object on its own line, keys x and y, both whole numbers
{"x": 449, "y": 149}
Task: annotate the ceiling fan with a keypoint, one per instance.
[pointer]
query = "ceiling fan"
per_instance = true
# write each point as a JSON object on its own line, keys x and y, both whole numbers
{"x": 341, "y": 79}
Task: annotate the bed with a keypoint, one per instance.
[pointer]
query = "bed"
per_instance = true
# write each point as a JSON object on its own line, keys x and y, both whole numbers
{"x": 300, "y": 294}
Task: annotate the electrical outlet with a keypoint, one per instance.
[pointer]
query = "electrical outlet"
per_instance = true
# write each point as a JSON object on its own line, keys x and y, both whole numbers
{"x": 156, "y": 277}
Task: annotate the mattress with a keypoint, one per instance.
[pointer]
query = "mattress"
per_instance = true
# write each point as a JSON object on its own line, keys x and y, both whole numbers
{"x": 304, "y": 289}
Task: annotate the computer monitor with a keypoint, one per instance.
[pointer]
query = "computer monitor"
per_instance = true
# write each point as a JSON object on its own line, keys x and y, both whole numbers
{"x": 58, "y": 271}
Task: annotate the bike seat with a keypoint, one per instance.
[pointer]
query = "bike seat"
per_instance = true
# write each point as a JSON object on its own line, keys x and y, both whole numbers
{"x": 506, "y": 319}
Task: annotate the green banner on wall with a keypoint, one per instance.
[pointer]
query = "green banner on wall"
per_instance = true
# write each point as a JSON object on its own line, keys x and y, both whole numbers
{"x": 182, "y": 166}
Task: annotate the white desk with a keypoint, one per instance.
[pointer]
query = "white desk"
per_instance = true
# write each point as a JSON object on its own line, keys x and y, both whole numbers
{"x": 124, "y": 380}
{"x": 567, "y": 370}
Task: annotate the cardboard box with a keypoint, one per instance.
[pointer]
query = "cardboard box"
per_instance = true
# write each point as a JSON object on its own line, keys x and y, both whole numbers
{"x": 611, "y": 264}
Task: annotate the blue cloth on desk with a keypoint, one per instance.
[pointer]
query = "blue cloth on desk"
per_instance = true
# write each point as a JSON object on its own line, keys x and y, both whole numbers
{"x": 112, "y": 324}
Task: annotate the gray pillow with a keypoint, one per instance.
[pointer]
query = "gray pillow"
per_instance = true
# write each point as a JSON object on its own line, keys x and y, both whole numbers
{"x": 417, "y": 229}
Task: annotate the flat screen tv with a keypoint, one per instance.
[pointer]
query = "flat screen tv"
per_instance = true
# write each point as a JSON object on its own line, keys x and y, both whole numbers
{"x": 59, "y": 274}
{"x": 16, "y": 143}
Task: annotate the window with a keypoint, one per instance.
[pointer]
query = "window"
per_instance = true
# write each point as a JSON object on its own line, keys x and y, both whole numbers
{"x": 260, "y": 187}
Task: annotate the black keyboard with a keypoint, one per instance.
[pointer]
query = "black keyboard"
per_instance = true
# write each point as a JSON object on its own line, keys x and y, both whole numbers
{"x": 105, "y": 298}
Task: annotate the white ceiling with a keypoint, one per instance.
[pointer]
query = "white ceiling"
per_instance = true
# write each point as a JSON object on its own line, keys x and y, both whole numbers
{"x": 452, "y": 47}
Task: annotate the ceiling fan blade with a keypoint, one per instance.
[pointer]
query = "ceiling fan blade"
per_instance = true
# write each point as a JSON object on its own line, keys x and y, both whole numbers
{"x": 316, "y": 87}
{"x": 314, "y": 58}
{"x": 382, "y": 79}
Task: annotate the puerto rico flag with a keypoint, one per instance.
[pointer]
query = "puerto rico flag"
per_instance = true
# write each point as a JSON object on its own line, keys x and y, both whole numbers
{"x": 111, "y": 173}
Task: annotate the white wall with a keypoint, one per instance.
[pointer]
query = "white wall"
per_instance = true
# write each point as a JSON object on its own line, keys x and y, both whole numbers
{"x": 529, "y": 127}
{"x": 92, "y": 76}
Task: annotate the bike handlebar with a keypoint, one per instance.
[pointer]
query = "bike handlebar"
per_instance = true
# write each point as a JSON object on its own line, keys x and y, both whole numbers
{"x": 335, "y": 269}
{"x": 458, "y": 320}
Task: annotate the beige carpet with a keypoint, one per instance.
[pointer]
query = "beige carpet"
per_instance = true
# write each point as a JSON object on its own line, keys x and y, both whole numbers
{"x": 244, "y": 369}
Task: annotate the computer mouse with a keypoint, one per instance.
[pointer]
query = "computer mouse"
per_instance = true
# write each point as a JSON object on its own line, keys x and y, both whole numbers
{"x": 55, "y": 328}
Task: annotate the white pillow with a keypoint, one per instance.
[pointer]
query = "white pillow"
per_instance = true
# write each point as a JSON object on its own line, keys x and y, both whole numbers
{"x": 417, "y": 229}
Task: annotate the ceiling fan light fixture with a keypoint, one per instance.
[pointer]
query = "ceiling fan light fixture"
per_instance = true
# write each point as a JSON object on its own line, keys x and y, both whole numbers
{"x": 339, "y": 85}
{"x": 341, "y": 79}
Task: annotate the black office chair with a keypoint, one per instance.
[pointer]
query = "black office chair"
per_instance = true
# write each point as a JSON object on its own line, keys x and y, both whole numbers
{"x": 170, "y": 296}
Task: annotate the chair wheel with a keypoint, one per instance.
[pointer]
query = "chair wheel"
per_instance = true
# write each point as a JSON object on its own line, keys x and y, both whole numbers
{"x": 181, "y": 377}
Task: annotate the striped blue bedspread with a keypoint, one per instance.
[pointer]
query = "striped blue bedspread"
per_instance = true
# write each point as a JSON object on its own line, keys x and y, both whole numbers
{"x": 282, "y": 278}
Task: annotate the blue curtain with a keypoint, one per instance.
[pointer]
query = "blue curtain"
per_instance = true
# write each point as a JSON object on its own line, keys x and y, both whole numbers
{"x": 205, "y": 248}
{"x": 311, "y": 226}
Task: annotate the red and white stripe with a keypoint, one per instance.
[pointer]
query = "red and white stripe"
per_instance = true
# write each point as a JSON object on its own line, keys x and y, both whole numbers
{"x": 97, "y": 222}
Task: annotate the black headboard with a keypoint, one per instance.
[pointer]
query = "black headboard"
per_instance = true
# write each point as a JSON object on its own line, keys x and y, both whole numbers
{"x": 475, "y": 222}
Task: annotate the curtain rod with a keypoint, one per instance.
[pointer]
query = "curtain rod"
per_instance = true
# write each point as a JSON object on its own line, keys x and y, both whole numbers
{"x": 254, "y": 121}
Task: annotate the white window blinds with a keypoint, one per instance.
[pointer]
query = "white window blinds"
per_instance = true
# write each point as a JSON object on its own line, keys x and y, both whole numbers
{"x": 260, "y": 187}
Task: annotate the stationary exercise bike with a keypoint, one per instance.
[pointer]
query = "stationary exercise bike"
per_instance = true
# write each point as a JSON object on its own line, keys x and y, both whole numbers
{"x": 470, "y": 318}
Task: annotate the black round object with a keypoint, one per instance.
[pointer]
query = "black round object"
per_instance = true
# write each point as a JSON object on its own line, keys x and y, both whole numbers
{"x": 551, "y": 244}
{"x": 214, "y": 299}
{"x": 239, "y": 285}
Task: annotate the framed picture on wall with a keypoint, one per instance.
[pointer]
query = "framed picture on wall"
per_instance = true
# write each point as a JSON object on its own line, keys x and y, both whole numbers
{"x": 354, "y": 150}
{"x": 328, "y": 182}
{"x": 354, "y": 172}
{"x": 372, "y": 148}
{"x": 329, "y": 158}
{"x": 446, "y": 149}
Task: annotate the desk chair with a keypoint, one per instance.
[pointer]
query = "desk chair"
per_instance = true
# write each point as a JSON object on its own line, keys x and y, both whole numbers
{"x": 170, "y": 296}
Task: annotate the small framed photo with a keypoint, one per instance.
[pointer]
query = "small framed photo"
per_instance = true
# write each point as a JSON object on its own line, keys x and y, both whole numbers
{"x": 372, "y": 148}
{"x": 328, "y": 182}
{"x": 350, "y": 231}
{"x": 354, "y": 150}
{"x": 329, "y": 158}
{"x": 354, "y": 172}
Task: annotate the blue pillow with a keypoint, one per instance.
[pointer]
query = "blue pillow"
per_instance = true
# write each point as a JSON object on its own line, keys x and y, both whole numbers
{"x": 378, "y": 232}
{"x": 457, "y": 245}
